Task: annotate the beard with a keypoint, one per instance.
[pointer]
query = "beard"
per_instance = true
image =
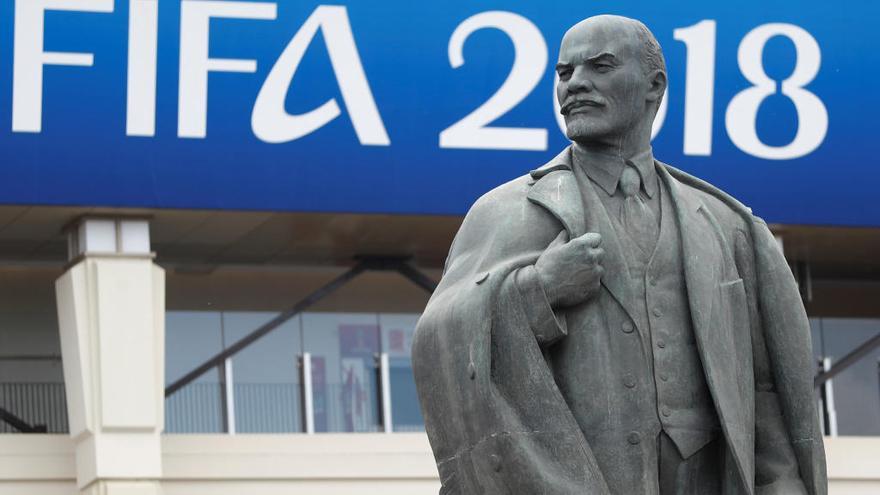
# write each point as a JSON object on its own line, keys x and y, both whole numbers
{"x": 604, "y": 126}
{"x": 582, "y": 128}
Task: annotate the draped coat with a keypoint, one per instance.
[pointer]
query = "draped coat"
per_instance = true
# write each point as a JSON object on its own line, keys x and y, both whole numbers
{"x": 497, "y": 421}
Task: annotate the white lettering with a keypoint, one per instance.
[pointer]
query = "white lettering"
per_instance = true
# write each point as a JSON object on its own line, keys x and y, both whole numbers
{"x": 271, "y": 122}
{"x": 29, "y": 57}
{"x": 742, "y": 112}
{"x": 143, "y": 32}
{"x": 529, "y": 63}
{"x": 699, "y": 86}
{"x": 195, "y": 63}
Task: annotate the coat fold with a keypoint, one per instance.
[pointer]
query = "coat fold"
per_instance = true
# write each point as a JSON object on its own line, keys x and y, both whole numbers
{"x": 496, "y": 420}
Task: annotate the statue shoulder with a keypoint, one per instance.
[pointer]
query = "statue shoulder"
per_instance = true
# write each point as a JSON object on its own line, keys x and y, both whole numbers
{"x": 488, "y": 213}
{"x": 500, "y": 201}
{"x": 508, "y": 197}
{"x": 722, "y": 204}
{"x": 502, "y": 223}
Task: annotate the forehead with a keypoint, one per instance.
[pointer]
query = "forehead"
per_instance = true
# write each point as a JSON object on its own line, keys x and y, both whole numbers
{"x": 589, "y": 39}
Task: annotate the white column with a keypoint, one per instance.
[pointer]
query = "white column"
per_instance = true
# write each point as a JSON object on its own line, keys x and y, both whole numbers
{"x": 111, "y": 314}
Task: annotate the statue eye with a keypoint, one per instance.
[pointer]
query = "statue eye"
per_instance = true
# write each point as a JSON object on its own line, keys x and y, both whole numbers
{"x": 603, "y": 67}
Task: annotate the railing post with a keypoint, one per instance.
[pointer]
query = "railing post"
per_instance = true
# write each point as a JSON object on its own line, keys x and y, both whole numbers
{"x": 828, "y": 396}
{"x": 308, "y": 398}
{"x": 385, "y": 389}
{"x": 229, "y": 395}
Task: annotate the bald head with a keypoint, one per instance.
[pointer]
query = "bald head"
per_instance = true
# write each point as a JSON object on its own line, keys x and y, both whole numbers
{"x": 641, "y": 38}
{"x": 612, "y": 77}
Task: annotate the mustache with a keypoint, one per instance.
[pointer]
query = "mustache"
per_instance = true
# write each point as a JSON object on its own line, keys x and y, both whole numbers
{"x": 577, "y": 102}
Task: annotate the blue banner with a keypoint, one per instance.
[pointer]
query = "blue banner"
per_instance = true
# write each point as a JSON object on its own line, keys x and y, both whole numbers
{"x": 416, "y": 107}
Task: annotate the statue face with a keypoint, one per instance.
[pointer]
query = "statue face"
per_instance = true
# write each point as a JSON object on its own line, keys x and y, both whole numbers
{"x": 602, "y": 87}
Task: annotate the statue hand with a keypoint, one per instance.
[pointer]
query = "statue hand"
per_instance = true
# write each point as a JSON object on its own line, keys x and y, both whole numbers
{"x": 570, "y": 272}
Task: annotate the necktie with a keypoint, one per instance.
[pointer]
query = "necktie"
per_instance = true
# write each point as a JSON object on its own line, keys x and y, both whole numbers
{"x": 636, "y": 215}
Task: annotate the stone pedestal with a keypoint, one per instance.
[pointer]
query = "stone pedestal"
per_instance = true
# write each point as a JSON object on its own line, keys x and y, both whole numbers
{"x": 111, "y": 305}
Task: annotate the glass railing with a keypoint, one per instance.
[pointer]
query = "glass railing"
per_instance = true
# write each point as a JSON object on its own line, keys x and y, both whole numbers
{"x": 277, "y": 408}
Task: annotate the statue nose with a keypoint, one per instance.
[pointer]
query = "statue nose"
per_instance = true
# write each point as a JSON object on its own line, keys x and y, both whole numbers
{"x": 580, "y": 82}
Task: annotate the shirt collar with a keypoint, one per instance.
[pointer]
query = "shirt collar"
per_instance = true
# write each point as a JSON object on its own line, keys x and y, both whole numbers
{"x": 605, "y": 169}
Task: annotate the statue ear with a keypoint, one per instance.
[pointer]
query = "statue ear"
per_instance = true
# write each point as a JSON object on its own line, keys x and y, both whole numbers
{"x": 657, "y": 80}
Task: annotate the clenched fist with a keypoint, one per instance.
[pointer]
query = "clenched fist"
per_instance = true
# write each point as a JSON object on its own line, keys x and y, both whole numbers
{"x": 570, "y": 272}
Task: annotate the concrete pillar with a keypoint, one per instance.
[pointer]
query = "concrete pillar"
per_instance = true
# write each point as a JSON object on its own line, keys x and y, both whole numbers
{"x": 111, "y": 315}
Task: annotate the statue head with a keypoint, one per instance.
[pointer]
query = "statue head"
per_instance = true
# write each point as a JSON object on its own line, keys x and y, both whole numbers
{"x": 612, "y": 77}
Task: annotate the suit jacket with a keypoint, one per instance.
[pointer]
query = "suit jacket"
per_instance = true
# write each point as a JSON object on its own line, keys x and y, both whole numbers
{"x": 495, "y": 417}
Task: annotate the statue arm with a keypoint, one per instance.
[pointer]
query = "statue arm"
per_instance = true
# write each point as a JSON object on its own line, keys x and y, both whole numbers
{"x": 776, "y": 465}
{"x": 545, "y": 324}
{"x": 485, "y": 246}
{"x": 496, "y": 421}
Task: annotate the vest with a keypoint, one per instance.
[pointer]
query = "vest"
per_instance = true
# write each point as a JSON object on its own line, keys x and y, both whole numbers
{"x": 684, "y": 404}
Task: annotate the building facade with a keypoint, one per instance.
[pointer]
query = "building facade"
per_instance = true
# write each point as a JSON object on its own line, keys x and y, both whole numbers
{"x": 220, "y": 220}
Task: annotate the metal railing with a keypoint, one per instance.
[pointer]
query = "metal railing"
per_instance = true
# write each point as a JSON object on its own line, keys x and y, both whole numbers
{"x": 39, "y": 405}
{"x": 196, "y": 409}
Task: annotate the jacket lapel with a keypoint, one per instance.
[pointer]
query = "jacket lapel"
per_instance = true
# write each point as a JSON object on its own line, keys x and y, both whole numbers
{"x": 702, "y": 250}
{"x": 554, "y": 187}
{"x": 580, "y": 211}
{"x": 700, "y": 253}
{"x": 557, "y": 191}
